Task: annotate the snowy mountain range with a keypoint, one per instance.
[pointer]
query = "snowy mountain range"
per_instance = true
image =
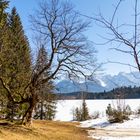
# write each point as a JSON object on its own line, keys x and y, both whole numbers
{"x": 106, "y": 82}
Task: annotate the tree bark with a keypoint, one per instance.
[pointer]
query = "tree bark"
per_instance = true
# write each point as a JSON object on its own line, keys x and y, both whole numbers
{"x": 27, "y": 118}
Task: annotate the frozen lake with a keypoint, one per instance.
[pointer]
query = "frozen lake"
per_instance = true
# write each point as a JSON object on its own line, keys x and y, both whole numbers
{"x": 65, "y": 107}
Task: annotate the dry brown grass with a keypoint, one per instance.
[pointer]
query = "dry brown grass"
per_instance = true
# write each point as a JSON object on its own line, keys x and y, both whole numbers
{"x": 43, "y": 130}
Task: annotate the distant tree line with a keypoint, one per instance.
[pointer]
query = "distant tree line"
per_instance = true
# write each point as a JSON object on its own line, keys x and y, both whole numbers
{"x": 120, "y": 92}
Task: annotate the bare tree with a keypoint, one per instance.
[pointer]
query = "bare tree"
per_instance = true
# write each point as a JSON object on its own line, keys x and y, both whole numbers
{"x": 60, "y": 30}
{"x": 125, "y": 36}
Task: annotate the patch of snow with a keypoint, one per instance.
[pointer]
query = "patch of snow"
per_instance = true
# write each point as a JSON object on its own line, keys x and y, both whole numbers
{"x": 95, "y": 123}
{"x": 103, "y": 84}
{"x": 130, "y": 124}
{"x": 103, "y": 123}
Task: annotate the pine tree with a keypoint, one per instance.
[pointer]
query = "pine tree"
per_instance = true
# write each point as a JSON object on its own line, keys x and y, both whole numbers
{"x": 84, "y": 109}
{"x": 4, "y": 42}
{"x": 50, "y": 105}
{"x": 16, "y": 62}
{"x": 47, "y": 103}
{"x": 21, "y": 58}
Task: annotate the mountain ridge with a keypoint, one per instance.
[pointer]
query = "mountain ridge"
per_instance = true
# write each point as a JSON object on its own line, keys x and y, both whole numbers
{"x": 104, "y": 83}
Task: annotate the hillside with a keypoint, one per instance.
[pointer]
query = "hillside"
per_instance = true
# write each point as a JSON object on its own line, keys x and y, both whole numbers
{"x": 42, "y": 130}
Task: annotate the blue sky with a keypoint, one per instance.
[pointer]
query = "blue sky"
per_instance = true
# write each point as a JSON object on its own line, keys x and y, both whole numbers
{"x": 89, "y": 7}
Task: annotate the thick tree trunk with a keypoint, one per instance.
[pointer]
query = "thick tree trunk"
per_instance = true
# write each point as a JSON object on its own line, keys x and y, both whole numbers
{"x": 27, "y": 118}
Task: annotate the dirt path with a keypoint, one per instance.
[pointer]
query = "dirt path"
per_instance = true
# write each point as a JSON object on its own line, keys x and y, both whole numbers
{"x": 115, "y": 133}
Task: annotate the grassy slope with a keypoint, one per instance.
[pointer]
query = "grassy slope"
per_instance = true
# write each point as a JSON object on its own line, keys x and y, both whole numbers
{"x": 43, "y": 130}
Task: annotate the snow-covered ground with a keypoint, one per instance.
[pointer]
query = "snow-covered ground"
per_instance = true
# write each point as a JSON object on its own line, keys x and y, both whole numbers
{"x": 103, "y": 130}
{"x": 100, "y": 128}
{"x": 133, "y": 123}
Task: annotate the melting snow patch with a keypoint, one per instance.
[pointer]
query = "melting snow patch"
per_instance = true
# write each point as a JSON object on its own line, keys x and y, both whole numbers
{"x": 103, "y": 130}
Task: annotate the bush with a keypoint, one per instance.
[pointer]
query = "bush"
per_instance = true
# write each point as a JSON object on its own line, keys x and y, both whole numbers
{"x": 128, "y": 110}
{"x": 95, "y": 115}
{"x": 138, "y": 111}
{"x": 118, "y": 114}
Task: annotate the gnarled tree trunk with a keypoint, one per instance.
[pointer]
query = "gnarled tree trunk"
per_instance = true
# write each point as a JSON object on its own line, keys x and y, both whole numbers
{"x": 27, "y": 118}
